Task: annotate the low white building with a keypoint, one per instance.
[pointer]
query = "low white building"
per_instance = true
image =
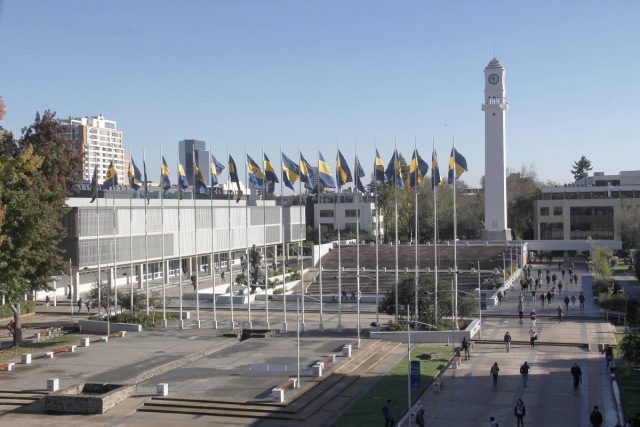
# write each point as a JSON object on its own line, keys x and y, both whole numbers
{"x": 341, "y": 211}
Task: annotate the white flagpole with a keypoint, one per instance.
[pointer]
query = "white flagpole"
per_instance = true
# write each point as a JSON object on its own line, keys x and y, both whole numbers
{"x": 97, "y": 248}
{"x": 180, "y": 250}
{"x": 130, "y": 239}
{"x": 146, "y": 243}
{"x": 321, "y": 325}
{"x": 395, "y": 200}
{"x": 212, "y": 269}
{"x": 375, "y": 187}
{"x": 246, "y": 235}
{"x": 164, "y": 277}
{"x": 357, "y": 176}
{"x": 115, "y": 271}
{"x": 284, "y": 253}
{"x": 229, "y": 261}
{"x": 417, "y": 278}
{"x": 455, "y": 238}
{"x": 434, "y": 186}
{"x": 300, "y": 245}
{"x": 195, "y": 237}
{"x": 335, "y": 209}
{"x": 264, "y": 247}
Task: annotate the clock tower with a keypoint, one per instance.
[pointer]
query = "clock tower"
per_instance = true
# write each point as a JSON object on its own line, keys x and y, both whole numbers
{"x": 495, "y": 107}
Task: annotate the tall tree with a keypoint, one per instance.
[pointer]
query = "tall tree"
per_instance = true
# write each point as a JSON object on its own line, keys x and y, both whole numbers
{"x": 581, "y": 168}
{"x": 522, "y": 190}
{"x": 631, "y": 228}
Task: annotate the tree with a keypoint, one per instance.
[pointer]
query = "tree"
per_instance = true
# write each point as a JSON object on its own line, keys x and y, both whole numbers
{"x": 630, "y": 226}
{"x": 600, "y": 260}
{"x": 630, "y": 347}
{"x": 522, "y": 190}
{"x": 581, "y": 168}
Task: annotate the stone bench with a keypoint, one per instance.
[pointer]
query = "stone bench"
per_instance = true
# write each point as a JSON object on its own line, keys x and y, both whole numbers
{"x": 355, "y": 344}
{"x": 330, "y": 358}
{"x": 278, "y": 392}
{"x": 6, "y": 366}
{"x": 63, "y": 349}
{"x": 119, "y": 334}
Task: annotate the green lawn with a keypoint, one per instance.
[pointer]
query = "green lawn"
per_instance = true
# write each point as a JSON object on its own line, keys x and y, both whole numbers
{"x": 629, "y": 382}
{"x": 367, "y": 411}
{"x": 11, "y": 353}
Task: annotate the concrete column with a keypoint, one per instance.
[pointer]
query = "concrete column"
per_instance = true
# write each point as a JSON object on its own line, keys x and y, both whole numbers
{"x": 140, "y": 275}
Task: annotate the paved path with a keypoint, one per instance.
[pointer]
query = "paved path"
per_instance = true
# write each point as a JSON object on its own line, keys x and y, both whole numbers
{"x": 469, "y": 399}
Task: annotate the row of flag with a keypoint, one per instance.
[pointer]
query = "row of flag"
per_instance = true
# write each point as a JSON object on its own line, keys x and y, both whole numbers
{"x": 266, "y": 177}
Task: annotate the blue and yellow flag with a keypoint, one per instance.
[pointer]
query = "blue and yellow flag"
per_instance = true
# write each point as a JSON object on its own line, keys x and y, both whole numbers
{"x": 378, "y": 168}
{"x": 216, "y": 170}
{"x": 201, "y": 184}
{"x": 134, "y": 175}
{"x": 435, "y": 170}
{"x": 233, "y": 177}
{"x": 343, "y": 173}
{"x": 417, "y": 170}
{"x": 182, "y": 178}
{"x": 457, "y": 161}
{"x": 324, "y": 173}
{"x": 164, "y": 175}
{"x": 255, "y": 173}
{"x": 306, "y": 173}
{"x": 359, "y": 172}
{"x": 270, "y": 174}
{"x": 94, "y": 185}
{"x": 290, "y": 172}
{"x": 111, "y": 180}
{"x": 394, "y": 170}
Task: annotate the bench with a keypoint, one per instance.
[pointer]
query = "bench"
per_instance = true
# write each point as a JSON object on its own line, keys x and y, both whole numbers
{"x": 6, "y": 366}
{"x": 63, "y": 349}
{"x": 355, "y": 344}
{"x": 330, "y": 359}
{"x": 49, "y": 332}
{"x": 278, "y": 392}
{"x": 119, "y": 334}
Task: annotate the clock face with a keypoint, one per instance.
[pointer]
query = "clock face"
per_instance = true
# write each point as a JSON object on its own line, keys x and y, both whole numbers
{"x": 494, "y": 79}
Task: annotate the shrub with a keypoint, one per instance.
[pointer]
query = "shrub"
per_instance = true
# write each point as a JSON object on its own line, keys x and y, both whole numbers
{"x": 630, "y": 347}
{"x": 25, "y": 307}
{"x": 601, "y": 285}
{"x": 147, "y": 321}
{"x": 613, "y": 261}
{"x": 614, "y": 302}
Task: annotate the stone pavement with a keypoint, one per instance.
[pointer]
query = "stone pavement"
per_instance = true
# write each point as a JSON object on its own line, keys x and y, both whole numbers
{"x": 468, "y": 399}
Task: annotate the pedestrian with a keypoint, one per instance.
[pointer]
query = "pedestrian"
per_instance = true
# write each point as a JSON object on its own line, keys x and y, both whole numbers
{"x": 80, "y": 305}
{"x": 465, "y": 347}
{"x": 563, "y": 273}
{"x": 554, "y": 278}
{"x": 87, "y": 304}
{"x": 222, "y": 275}
{"x": 596, "y": 417}
{"x": 542, "y": 299}
{"x": 11, "y": 327}
{"x": 499, "y": 298}
{"x": 560, "y": 314}
{"x": 576, "y": 373}
{"x": 524, "y": 371}
{"x": 387, "y": 411}
{"x": 493, "y": 422}
{"x": 533, "y": 296}
{"x": 566, "y": 302}
{"x": 575, "y": 278}
{"x": 548, "y": 278}
{"x": 533, "y": 317}
{"x": 47, "y": 300}
{"x": 420, "y": 418}
{"x": 519, "y": 411}
{"x": 533, "y": 336}
{"x": 573, "y": 301}
{"x": 353, "y": 295}
{"x": 520, "y": 311}
{"x": 560, "y": 287}
{"x": 507, "y": 341}
{"x": 608, "y": 353}
{"x": 548, "y": 297}
{"x": 581, "y": 298}
{"x": 494, "y": 373}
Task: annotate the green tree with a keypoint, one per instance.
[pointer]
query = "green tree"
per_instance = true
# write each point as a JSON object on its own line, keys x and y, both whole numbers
{"x": 630, "y": 226}
{"x": 630, "y": 347}
{"x": 600, "y": 261}
{"x": 581, "y": 168}
{"x": 522, "y": 190}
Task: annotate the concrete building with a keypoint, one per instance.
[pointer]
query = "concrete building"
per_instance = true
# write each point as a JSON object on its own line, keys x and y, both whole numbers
{"x": 97, "y": 141}
{"x": 220, "y": 229}
{"x": 495, "y": 154}
{"x": 187, "y": 150}
{"x": 567, "y": 215}
{"x": 341, "y": 211}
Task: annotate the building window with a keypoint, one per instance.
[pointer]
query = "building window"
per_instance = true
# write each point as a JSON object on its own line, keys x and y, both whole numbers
{"x": 557, "y": 196}
{"x": 557, "y": 210}
{"x": 351, "y": 213}
{"x": 595, "y": 222}
{"x": 551, "y": 231}
{"x": 544, "y": 211}
{"x": 326, "y": 214}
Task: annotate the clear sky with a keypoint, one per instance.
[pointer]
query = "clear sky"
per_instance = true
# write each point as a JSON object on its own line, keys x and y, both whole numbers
{"x": 327, "y": 73}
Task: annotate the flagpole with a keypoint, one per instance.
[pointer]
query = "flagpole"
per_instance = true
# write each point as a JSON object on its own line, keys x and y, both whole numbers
{"x": 335, "y": 209}
{"x": 357, "y": 176}
{"x": 417, "y": 278}
{"x": 130, "y": 235}
{"x": 246, "y": 234}
{"x": 455, "y": 238}
{"x": 375, "y": 187}
{"x": 395, "y": 203}
{"x": 98, "y": 248}
{"x": 229, "y": 261}
{"x": 321, "y": 325}
{"x": 212, "y": 261}
{"x": 300, "y": 245}
{"x": 180, "y": 250}
{"x": 434, "y": 186}
{"x": 264, "y": 249}
{"x": 195, "y": 236}
{"x": 146, "y": 242}
{"x": 115, "y": 275}
{"x": 164, "y": 267}
{"x": 284, "y": 254}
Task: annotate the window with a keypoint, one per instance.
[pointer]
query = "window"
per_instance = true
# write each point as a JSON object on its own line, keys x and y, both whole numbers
{"x": 557, "y": 210}
{"x": 551, "y": 231}
{"x": 351, "y": 213}
{"x": 595, "y": 222}
{"x": 326, "y": 214}
{"x": 557, "y": 196}
{"x": 544, "y": 211}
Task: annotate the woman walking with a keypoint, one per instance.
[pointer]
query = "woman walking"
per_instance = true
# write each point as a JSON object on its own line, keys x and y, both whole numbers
{"x": 494, "y": 373}
{"x": 519, "y": 411}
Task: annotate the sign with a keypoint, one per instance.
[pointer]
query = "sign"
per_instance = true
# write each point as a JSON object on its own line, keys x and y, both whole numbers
{"x": 415, "y": 374}
{"x": 483, "y": 300}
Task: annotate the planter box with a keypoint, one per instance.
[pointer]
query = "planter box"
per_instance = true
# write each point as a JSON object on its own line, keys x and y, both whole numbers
{"x": 100, "y": 326}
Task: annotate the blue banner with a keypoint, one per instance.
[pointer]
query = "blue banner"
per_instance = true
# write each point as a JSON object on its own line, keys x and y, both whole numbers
{"x": 415, "y": 374}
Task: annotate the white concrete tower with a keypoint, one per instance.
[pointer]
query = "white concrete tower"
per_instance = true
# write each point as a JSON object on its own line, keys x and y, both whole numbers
{"x": 495, "y": 155}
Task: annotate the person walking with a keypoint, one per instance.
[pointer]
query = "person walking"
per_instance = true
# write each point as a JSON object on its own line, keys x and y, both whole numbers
{"x": 595, "y": 417}
{"x": 507, "y": 341}
{"x": 420, "y": 418}
{"x": 581, "y": 298}
{"x": 79, "y": 305}
{"x": 493, "y": 422}
{"x": 47, "y": 300}
{"x": 524, "y": 371}
{"x": 533, "y": 336}
{"x": 573, "y": 302}
{"x": 520, "y": 311}
{"x": 608, "y": 353}
{"x": 554, "y": 278}
{"x": 465, "y": 347}
{"x": 560, "y": 287}
{"x": 494, "y": 374}
{"x": 542, "y": 299}
{"x": 576, "y": 373}
{"x": 549, "y": 297}
{"x": 560, "y": 314}
{"x": 387, "y": 412}
{"x": 519, "y": 411}
{"x": 566, "y": 302}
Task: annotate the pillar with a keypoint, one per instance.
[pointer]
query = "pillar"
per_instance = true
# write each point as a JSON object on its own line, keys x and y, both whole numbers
{"x": 140, "y": 275}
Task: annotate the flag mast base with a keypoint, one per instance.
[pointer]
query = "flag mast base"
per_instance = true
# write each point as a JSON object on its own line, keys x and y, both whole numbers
{"x": 499, "y": 235}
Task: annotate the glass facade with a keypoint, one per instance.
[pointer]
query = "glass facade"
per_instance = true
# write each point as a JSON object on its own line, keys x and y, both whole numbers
{"x": 594, "y": 221}
{"x": 551, "y": 231}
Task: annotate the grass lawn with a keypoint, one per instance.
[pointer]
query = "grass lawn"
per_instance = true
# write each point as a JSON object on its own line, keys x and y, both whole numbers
{"x": 11, "y": 353}
{"x": 368, "y": 410}
{"x": 629, "y": 382}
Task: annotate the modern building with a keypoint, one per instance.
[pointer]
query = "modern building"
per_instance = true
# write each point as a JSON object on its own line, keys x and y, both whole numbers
{"x": 341, "y": 211}
{"x": 495, "y": 153}
{"x": 592, "y": 207}
{"x": 210, "y": 230}
{"x": 98, "y": 142}
{"x": 188, "y": 149}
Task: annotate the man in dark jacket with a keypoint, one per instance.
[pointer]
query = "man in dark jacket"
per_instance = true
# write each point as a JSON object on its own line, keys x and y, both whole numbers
{"x": 576, "y": 372}
{"x": 596, "y": 417}
{"x": 387, "y": 411}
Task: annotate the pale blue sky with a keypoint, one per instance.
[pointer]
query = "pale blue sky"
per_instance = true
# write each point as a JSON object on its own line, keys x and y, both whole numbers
{"x": 262, "y": 73}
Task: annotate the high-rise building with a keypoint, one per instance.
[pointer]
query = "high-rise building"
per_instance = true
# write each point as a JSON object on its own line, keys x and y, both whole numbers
{"x": 96, "y": 141}
{"x": 188, "y": 148}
